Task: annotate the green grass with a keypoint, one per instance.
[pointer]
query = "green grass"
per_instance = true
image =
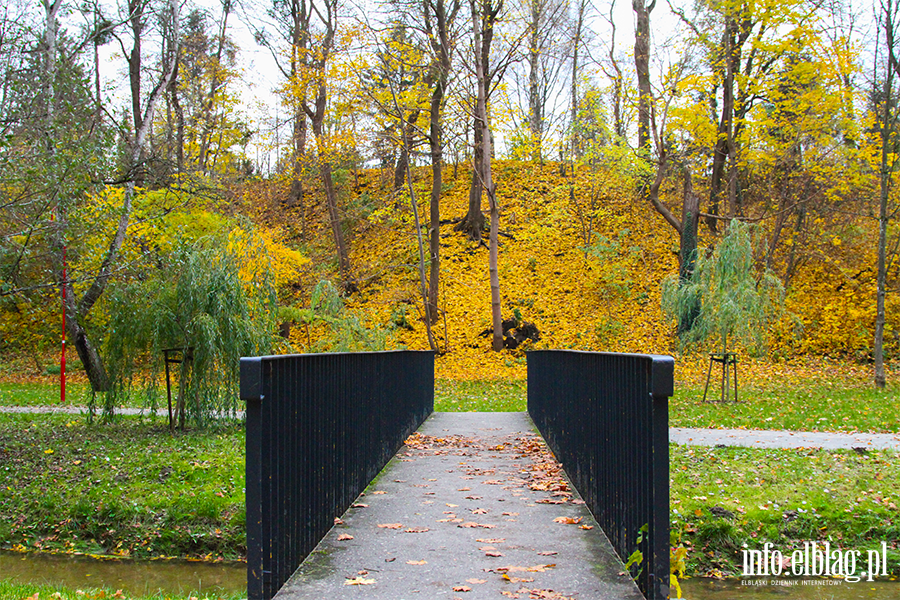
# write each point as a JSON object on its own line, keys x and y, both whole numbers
{"x": 806, "y": 405}
{"x": 13, "y": 591}
{"x": 129, "y": 488}
{"x": 42, "y": 394}
{"x": 781, "y": 496}
{"x": 501, "y": 395}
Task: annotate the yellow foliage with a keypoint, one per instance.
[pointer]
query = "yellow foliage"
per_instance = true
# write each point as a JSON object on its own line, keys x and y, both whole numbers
{"x": 546, "y": 273}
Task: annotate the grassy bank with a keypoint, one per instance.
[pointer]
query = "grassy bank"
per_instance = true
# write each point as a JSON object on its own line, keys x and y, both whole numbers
{"x": 131, "y": 488}
{"x": 812, "y": 405}
{"x": 12, "y": 591}
{"x": 128, "y": 489}
{"x": 724, "y": 498}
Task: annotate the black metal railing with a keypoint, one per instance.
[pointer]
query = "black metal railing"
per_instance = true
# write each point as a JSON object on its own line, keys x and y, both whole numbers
{"x": 606, "y": 418}
{"x": 319, "y": 428}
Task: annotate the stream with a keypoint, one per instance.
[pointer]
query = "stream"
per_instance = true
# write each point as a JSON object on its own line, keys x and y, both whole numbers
{"x": 181, "y": 577}
{"x": 131, "y": 576}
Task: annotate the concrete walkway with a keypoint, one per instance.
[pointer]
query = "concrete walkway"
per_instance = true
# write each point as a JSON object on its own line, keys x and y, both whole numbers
{"x": 762, "y": 438}
{"x": 473, "y": 507}
{"x": 750, "y": 438}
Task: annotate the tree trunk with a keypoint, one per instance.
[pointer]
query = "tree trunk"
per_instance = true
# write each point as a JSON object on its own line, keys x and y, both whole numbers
{"x": 473, "y": 223}
{"x": 642, "y": 66}
{"x": 436, "y": 145}
{"x": 535, "y": 116}
{"x": 724, "y": 148}
{"x": 334, "y": 217}
{"x": 690, "y": 217}
{"x": 481, "y": 120}
{"x": 423, "y": 286}
{"x": 888, "y": 126}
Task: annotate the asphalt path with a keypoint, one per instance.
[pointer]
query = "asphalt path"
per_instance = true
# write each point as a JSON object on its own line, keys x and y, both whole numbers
{"x": 749, "y": 438}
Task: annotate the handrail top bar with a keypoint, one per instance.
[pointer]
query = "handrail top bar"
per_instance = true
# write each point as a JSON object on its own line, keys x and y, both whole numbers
{"x": 662, "y": 368}
{"x": 251, "y": 368}
{"x": 310, "y": 354}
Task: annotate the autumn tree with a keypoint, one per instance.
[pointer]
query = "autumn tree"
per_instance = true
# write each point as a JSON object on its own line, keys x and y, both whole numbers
{"x": 62, "y": 154}
{"x": 887, "y": 115}
{"x": 440, "y": 19}
{"x": 484, "y": 170}
{"x": 203, "y": 129}
{"x": 642, "y": 10}
{"x": 539, "y": 79}
{"x": 492, "y": 69}
{"x": 310, "y": 88}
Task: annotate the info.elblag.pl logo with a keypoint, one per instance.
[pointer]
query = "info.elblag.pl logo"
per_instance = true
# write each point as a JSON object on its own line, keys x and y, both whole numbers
{"x": 815, "y": 560}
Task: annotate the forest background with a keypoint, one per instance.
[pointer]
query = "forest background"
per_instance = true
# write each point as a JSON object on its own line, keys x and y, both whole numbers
{"x": 477, "y": 178}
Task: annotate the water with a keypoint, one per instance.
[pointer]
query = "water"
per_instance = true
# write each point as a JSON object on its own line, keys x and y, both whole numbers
{"x": 131, "y": 576}
{"x": 801, "y": 589}
{"x": 180, "y": 577}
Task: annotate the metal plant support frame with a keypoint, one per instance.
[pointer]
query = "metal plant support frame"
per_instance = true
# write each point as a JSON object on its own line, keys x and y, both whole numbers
{"x": 726, "y": 359}
{"x": 605, "y": 417}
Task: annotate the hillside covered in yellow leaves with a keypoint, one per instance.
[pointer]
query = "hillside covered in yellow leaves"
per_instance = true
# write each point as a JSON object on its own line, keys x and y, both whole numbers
{"x": 585, "y": 271}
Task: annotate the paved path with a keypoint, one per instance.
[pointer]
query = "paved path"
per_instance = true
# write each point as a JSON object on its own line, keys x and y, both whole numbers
{"x": 466, "y": 510}
{"x": 750, "y": 438}
{"x": 761, "y": 438}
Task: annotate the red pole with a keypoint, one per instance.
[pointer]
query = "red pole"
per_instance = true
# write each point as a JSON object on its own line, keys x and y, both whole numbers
{"x": 62, "y": 360}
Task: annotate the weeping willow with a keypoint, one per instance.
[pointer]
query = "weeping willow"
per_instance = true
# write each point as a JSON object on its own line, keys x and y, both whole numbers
{"x": 198, "y": 303}
{"x": 736, "y": 301}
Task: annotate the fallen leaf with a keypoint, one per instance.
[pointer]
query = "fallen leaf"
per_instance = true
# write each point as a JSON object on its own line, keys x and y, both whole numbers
{"x": 479, "y": 511}
{"x": 568, "y": 520}
{"x": 359, "y": 581}
{"x": 468, "y": 524}
{"x": 417, "y": 530}
{"x": 510, "y": 514}
{"x": 490, "y": 540}
{"x": 547, "y": 553}
{"x": 517, "y": 579}
{"x": 359, "y": 505}
{"x": 516, "y": 569}
{"x": 464, "y": 489}
{"x": 338, "y": 521}
{"x": 391, "y": 525}
{"x": 451, "y": 505}
{"x": 376, "y": 493}
{"x": 586, "y": 526}
{"x": 461, "y": 588}
{"x": 344, "y": 537}
{"x": 416, "y": 562}
{"x": 473, "y": 497}
{"x": 493, "y": 553}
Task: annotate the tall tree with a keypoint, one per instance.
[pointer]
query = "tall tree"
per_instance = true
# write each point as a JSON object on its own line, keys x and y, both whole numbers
{"x": 642, "y": 12}
{"x": 489, "y": 12}
{"x": 889, "y": 12}
{"x": 314, "y": 105}
{"x": 143, "y": 109}
{"x": 487, "y": 181}
{"x": 439, "y": 17}
{"x": 545, "y": 59}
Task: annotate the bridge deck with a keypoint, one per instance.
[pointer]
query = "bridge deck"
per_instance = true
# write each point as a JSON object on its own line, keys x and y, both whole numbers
{"x": 473, "y": 507}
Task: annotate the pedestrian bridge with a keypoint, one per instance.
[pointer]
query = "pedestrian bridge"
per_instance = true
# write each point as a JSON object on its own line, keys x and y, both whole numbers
{"x": 355, "y": 489}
